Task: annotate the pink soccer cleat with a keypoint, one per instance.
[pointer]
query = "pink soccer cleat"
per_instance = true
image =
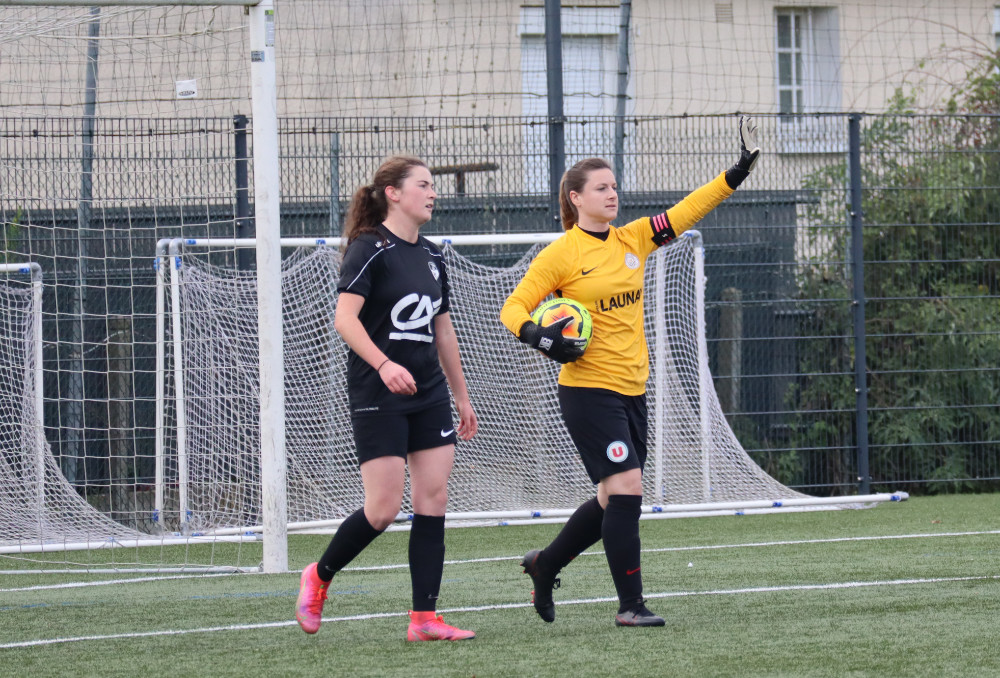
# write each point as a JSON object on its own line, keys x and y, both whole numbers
{"x": 431, "y": 626}
{"x": 312, "y": 595}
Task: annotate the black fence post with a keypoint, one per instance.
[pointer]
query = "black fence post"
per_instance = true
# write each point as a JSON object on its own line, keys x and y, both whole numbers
{"x": 121, "y": 400}
{"x": 244, "y": 224}
{"x": 335, "y": 225}
{"x": 557, "y": 118}
{"x": 625, "y": 19}
{"x": 74, "y": 451}
{"x": 858, "y": 300}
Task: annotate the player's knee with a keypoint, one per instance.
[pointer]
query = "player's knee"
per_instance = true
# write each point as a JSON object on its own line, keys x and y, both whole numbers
{"x": 383, "y": 514}
{"x": 383, "y": 520}
{"x": 628, "y": 482}
{"x": 431, "y": 501}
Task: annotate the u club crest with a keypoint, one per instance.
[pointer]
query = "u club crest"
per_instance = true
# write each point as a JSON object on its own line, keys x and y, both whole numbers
{"x": 617, "y": 451}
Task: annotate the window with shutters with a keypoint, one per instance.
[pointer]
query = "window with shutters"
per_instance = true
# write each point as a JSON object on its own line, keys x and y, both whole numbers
{"x": 807, "y": 70}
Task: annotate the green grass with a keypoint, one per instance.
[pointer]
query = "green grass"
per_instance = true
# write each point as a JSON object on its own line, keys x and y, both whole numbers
{"x": 720, "y": 621}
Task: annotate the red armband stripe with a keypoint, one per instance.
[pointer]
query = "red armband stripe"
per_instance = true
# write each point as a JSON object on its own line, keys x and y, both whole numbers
{"x": 662, "y": 230}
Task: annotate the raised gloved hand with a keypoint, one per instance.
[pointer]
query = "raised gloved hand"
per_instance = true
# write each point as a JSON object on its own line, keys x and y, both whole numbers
{"x": 550, "y": 340}
{"x": 749, "y": 152}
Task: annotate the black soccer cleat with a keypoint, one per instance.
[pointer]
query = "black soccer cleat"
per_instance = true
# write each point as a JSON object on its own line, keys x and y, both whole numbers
{"x": 638, "y": 615}
{"x": 544, "y": 583}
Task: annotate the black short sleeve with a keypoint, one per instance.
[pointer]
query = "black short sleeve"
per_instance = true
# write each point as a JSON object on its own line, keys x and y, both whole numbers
{"x": 360, "y": 265}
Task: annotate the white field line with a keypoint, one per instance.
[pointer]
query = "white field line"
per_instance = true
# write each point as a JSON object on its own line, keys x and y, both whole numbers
{"x": 110, "y": 582}
{"x": 501, "y": 606}
{"x": 710, "y": 547}
{"x": 399, "y": 566}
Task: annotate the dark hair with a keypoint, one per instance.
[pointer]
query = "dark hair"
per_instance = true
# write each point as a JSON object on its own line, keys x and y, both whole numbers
{"x": 368, "y": 206}
{"x": 574, "y": 180}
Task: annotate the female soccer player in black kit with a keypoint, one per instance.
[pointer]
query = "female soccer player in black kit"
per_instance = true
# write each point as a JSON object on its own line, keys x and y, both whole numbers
{"x": 602, "y": 391}
{"x": 393, "y": 314}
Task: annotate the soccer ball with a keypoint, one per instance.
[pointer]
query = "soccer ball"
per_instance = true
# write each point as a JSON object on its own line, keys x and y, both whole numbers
{"x": 557, "y": 309}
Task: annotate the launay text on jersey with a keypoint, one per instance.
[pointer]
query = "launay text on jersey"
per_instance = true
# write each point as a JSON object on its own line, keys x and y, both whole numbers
{"x": 619, "y": 300}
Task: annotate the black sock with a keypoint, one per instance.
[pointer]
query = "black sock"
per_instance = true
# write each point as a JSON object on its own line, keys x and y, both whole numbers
{"x": 353, "y": 535}
{"x": 426, "y": 560}
{"x": 621, "y": 546}
{"x": 581, "y": 531}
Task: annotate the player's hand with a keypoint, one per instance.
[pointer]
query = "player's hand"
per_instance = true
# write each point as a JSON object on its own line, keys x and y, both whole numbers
{"x": 749, "y": 149}
{"x": 550, "y": 340}
{"x": 749, "y": 152}
{"x": 397, "y": 378}
{"x": 468, "y": 425}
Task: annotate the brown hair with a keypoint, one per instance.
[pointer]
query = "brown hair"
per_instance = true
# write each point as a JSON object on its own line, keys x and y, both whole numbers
{"x": 574, "y": 180}
{"x": 368, "y": 206}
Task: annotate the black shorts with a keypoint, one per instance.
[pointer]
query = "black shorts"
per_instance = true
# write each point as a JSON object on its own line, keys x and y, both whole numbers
{"x": 396, "y": 435}
{"x": 608, "y": 428}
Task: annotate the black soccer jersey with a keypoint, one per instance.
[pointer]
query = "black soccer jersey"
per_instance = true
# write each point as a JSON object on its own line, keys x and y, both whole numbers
{"x": 405, "y": 286}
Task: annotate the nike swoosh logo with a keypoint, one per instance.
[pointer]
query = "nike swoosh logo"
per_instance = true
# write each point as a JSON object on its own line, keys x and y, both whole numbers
{"x": 633, "y": 571}
{"x": 445, "y": 434}
{"x": 586, "y": 271}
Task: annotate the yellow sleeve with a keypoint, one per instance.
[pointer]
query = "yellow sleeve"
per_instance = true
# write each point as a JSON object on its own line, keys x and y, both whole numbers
{"x": 544, "y": 276}
{"x": 698, "y": 203}
{"x": 647, "y": 233}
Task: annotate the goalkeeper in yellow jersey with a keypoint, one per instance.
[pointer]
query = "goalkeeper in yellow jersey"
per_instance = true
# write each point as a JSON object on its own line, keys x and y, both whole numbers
{"x": 602, "y": 392}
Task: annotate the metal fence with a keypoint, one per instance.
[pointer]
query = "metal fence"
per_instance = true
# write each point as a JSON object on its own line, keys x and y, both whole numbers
{"x": 853, "y": 314}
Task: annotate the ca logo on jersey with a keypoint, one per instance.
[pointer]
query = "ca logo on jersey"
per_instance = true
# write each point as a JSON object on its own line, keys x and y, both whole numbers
{"x": 414, "y": 312}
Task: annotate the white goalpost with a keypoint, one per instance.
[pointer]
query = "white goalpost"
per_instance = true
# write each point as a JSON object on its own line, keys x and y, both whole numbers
{"x": 522, "y": 466}
{"x": 55, "y": 32}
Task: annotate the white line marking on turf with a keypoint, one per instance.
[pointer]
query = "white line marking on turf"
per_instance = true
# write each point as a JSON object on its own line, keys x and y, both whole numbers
{"x": 831, "y": 540}
{"x": 709, "y": 547}
{"x": 499, "y": 606}
{"x": 496, "y": 559}
{"x": 113, "y": 582}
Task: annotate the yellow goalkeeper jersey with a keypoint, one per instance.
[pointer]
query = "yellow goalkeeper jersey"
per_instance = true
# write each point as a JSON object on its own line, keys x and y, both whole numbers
{"x": 607, "y": 276}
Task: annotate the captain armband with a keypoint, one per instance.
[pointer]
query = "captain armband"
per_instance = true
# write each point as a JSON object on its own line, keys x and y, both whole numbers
{"x": 663, "y": 232}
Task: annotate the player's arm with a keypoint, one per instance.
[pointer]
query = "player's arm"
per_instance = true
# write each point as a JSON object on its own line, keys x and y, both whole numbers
{"x": 704, "y": 199}
{"x": 347, "y": 322}
{"x": 543, "y": 277}
{"x": 451, "y": 363}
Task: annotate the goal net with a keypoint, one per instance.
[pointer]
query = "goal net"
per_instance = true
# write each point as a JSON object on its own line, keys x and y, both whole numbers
{"x": 522, "y": 460}
{"x": 37, "y": 504}
{"x": 119, "y": 125}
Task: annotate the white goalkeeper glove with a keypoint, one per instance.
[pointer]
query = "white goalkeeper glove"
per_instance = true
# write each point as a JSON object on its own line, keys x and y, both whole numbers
{"x": 749, "y": 152}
